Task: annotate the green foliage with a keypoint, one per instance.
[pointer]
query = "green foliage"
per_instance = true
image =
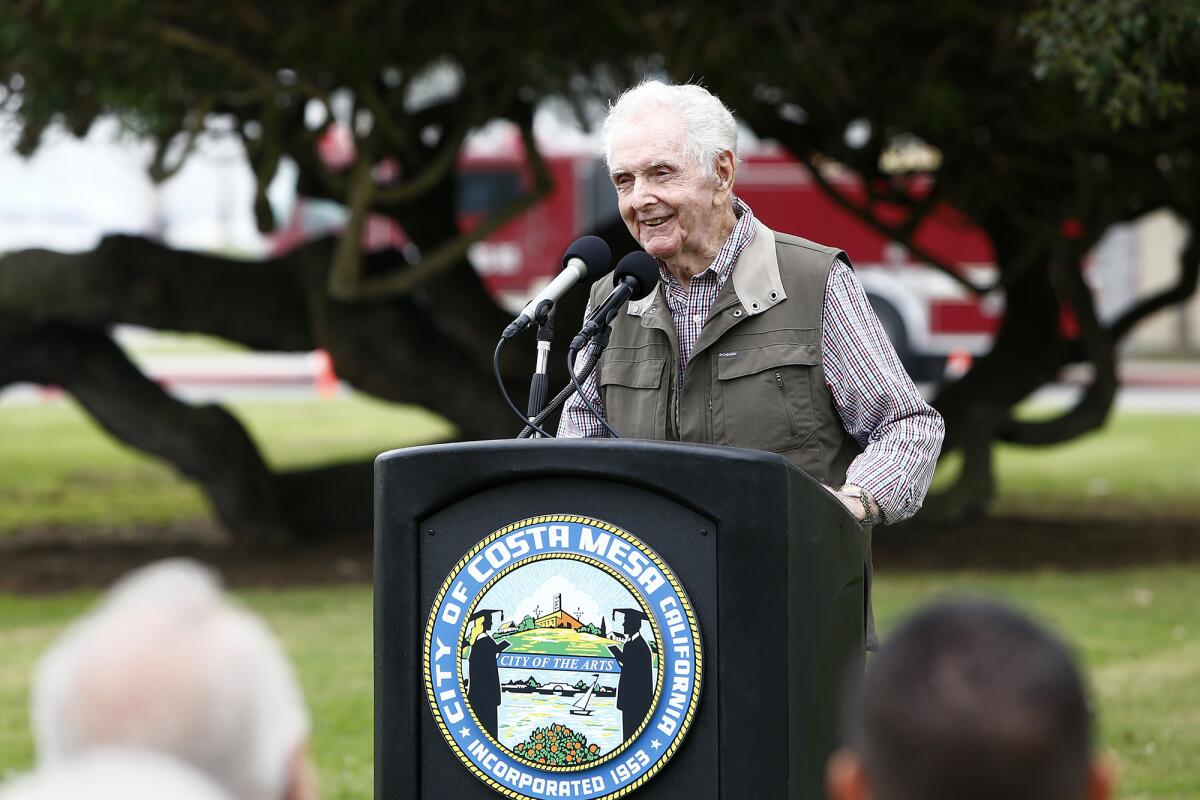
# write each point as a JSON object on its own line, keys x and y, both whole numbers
{"x": 590, "y": 628}
{"x": 527, "y": 624}
{"x": 532, "y": 683}
{"x": 252, "y": 70}
{"x": 1126, "y": 57}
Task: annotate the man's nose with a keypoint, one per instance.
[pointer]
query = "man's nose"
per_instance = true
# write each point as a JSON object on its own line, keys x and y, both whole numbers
{"x": 642, "y": 195}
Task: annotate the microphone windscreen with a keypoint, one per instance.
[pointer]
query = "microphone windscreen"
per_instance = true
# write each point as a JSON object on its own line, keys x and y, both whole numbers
{"x": 593, "y": 251}
{"x": 643, "y": 268}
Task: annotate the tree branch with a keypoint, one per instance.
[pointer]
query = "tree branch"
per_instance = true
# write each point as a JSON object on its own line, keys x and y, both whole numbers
{"x": 402, "y": 281}
{"x": 345, "y": 274}
{"x": 1185, "y": 287}
{"x": 1092, "y": 409}
{"x": 133, "y": 280}
{"x": 895, "y": 233}
{"x": 188, "y": 40}
{"x": 205, "y": 443}
{"x": 159, "y": 171}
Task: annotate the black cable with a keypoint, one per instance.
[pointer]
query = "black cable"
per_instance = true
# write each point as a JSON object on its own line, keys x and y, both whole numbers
{"x": 560, "y": 398}
{"x": 504, "y": 392}
{"x": 587, "y": 402}
{"x": 539, "y": 384}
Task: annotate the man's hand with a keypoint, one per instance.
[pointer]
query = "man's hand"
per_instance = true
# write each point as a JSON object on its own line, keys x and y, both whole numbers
{"x": 853, "y": 504}
{"x": 858, "y": 503}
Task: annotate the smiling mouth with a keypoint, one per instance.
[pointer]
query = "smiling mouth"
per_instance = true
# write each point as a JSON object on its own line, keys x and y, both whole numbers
{"x": 654, "y": 223}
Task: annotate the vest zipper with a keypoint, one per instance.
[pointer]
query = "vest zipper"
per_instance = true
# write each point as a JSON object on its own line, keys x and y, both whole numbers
{"x": 786, "y": 406}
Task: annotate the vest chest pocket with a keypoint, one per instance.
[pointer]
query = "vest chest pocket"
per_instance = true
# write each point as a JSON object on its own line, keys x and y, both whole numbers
{"x": 634, "y": 394}
{"x": 763, "y": 399}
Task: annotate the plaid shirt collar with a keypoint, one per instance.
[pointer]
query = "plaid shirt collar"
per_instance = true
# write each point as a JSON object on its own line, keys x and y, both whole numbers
{"x": 722, "y": 266}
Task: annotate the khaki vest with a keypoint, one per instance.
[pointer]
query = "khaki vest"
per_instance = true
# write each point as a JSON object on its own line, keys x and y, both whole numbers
{"x": 754, "y": 378}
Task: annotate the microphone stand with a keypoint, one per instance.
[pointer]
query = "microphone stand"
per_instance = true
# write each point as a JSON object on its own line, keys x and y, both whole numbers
{"x": 539, "y": 384}
{"x": 591, "y": 356}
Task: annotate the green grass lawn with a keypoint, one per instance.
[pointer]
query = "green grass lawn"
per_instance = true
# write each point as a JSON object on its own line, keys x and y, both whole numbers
{"x": 57, "y": 468}
{"x": 1139, "y": 466}
{"x": 1137, "y": 631}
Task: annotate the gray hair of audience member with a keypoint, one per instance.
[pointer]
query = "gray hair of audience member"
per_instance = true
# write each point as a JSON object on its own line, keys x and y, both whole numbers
{"x": 709, "y": 127}
{"x": 971, "y": 699}
{"x": 116, "y": 774}
{"x": 167, "y": 663}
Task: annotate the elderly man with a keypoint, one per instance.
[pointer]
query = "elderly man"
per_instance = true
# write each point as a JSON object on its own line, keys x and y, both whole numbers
{"x": 970, "y": 700}
{"x": 753, "y": 338}
{"x": 166, "y": 663}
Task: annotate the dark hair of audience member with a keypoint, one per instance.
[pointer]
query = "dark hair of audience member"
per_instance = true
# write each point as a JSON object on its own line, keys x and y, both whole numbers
{"x": 972, "y": 700}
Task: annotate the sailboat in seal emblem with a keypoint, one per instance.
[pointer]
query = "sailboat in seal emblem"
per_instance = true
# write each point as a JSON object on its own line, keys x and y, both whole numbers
{"x": 580, "y": 707}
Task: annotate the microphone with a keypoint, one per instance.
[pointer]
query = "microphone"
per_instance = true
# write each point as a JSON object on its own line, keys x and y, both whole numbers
{"x": 587, "y": 257}
{"x": 635, "y": 277}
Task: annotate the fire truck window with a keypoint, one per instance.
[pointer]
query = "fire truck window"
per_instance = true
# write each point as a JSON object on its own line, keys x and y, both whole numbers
{"x": 598, "y": 198}
{"x": 484, "y": 192}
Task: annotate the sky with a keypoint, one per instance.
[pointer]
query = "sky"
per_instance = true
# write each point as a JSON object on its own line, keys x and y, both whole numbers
{"x": 71, "y": 192}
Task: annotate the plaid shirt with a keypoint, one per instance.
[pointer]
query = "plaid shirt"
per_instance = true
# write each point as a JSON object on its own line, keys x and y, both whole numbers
{"x": 901, "y": 435}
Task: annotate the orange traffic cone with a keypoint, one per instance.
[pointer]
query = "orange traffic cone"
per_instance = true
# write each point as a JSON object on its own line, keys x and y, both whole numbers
{"x": 325, "y": 380}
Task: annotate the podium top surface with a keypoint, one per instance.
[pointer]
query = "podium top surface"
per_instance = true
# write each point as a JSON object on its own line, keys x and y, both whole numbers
{"x": 601, "y": 449}
{"x": 443, "y": 471}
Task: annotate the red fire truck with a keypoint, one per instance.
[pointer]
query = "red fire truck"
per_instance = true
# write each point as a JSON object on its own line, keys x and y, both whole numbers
{"x": 926, "y": 313}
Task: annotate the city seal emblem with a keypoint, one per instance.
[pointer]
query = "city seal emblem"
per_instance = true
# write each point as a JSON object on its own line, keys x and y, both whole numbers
{"x": 562, "y": 659}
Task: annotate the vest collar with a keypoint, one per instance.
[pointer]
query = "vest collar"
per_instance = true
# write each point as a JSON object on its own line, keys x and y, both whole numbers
{"x": 756, "y": 279}
{"x": 639, "y": 307}
{"x": 756, "y": 274}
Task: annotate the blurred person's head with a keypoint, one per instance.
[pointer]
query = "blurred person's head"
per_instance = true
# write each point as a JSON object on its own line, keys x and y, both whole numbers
{"x": 672, "y": 156}
{"x": 969, "y": 700}
{"x": 165, "y": 662}
{"x": 116, "y": 774}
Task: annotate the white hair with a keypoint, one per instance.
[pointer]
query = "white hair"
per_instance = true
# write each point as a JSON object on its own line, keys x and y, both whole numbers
{"x": 116, "y": 774}
{"x": 708, "y": 126}
{"x": 166, "y": 663}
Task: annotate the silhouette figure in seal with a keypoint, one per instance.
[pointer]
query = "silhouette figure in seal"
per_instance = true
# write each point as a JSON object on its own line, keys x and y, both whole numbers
{"x": 635, "y": 687}
{"x": 483, "y": 690}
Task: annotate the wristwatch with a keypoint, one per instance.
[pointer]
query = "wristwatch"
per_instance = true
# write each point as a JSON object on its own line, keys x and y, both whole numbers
{"x": 873, "y": 515}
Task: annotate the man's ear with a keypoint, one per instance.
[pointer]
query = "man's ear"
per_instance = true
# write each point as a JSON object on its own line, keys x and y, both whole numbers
{"x": 845, "y": 778}
{"x": 302, "y": 776}
{"x": 726, "y": 172}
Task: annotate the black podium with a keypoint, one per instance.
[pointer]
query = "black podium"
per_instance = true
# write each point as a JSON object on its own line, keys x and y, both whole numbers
{"x": 748, "y": 681}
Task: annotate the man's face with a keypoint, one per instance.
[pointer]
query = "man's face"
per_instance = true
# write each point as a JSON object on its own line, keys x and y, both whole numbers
{"x": 667, "y": 203}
